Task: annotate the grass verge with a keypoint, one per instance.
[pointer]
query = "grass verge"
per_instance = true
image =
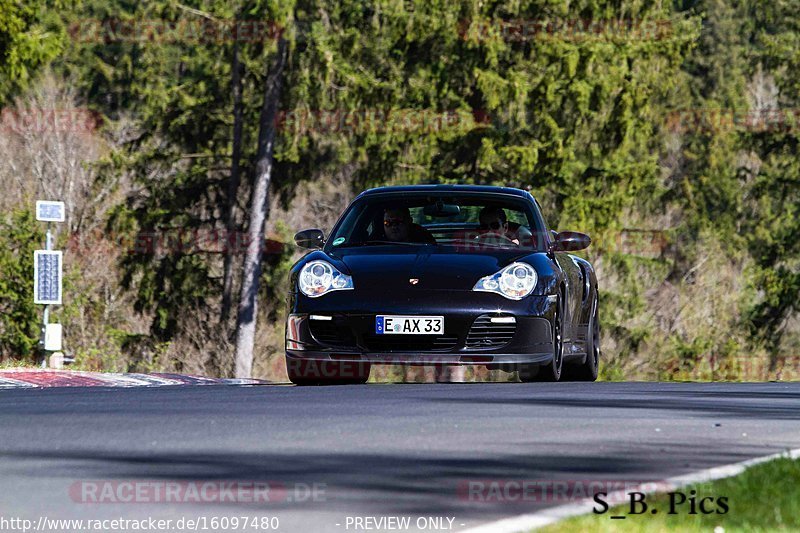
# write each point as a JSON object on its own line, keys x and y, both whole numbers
{"x": 12, "y": 363}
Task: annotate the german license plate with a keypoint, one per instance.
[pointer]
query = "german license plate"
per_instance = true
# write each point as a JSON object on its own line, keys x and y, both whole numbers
{"x": 409, "y": 325}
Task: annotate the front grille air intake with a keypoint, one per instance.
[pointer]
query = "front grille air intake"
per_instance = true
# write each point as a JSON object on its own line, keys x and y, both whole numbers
{"x": 332, "y": 333}
{"x": 485, "y": 334}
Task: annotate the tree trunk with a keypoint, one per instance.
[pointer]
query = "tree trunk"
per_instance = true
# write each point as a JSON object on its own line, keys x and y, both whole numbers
{"x": 232, "y": 237}
{"x": 259, "y": 212}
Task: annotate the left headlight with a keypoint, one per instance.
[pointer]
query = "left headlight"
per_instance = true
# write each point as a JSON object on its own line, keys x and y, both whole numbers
{"x": 515, "y": 282}
{"x": 320, "y": 277}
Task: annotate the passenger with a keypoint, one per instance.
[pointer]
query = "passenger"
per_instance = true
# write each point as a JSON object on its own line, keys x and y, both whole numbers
{"x": 398, "y": 226}
{"x": 494, "y": 222}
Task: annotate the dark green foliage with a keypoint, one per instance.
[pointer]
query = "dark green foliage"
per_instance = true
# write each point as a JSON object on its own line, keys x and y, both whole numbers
{"x": 31, "y": 35}
{"x": 744, "y": 181}
{"x": 20, "y": 235}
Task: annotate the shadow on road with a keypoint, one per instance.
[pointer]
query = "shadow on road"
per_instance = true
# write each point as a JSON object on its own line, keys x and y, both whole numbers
{"x": 385, "y": 483}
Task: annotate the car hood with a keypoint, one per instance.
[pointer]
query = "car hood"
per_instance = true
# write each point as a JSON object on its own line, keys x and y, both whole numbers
{"x": 432, "y": 269}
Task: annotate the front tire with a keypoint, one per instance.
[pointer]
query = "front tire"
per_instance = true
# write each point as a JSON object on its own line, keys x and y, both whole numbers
{"x": 552, "y": 371}
{"x": 589, "y": 369}
{"x": 305, "y": 372}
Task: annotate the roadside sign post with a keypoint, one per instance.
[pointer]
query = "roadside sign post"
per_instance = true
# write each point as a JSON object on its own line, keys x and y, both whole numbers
{"x": 48, "y": 278}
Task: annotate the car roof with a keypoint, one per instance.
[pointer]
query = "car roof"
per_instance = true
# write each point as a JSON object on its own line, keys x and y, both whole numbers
{"x": 445, "y": 188}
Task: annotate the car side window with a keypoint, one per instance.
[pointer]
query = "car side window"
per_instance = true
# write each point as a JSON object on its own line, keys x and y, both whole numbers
{"x": 517, "y": 218}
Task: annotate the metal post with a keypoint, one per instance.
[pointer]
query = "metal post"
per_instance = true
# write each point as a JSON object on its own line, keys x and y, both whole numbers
{"x": 49, "y": 211}
{"x": 45, "y": 321}
{"x": 48, "y": 245}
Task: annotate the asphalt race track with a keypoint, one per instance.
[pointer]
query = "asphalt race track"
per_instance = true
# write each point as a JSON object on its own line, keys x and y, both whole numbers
{"x": 334, "y": 454}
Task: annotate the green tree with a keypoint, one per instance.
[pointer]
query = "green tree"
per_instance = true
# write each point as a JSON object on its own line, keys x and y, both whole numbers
{"x": 31, "y": 35}
{"x": 20, "y": 235}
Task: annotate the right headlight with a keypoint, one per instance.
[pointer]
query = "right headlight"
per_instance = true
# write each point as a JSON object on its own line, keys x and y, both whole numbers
{"x": 515, "y": 282}
{"x": 320, "y": 277}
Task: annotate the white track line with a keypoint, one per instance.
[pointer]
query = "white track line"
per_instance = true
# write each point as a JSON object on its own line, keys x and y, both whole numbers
{"x": 133, "y": 380}
{"x": 113, "y": 379}
{"x": 8, "y": 383}
{"x": 528, "y": 522}
{"x": 108, "y": 379}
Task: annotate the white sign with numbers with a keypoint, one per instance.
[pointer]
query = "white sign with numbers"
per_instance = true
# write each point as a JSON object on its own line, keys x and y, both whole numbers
{"x": 50, "y": 211}
{"x": 47, "y": 277}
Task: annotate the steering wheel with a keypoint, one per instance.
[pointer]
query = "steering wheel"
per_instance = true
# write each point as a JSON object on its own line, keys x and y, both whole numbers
{"x": 495, "y": 238}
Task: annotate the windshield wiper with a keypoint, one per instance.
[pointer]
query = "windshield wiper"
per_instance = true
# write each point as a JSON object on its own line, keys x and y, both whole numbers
{"x": 510, "y": 245}
{"x": 369, "y": 243}
{"x": 406, "y": 243}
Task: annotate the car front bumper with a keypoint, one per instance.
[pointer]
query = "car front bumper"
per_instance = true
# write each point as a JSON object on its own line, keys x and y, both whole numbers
{"x": 341, "y": 327}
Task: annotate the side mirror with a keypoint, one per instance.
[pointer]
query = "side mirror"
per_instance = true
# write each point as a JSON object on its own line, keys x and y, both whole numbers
{"x": 313, "y": 239}
{"x": 571, "y": 241}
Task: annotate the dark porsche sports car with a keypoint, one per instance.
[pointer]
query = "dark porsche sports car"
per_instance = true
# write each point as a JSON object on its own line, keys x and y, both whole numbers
{"x": 442, "y": 274}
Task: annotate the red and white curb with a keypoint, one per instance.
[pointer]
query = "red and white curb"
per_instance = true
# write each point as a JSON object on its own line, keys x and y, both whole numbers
{"x": 529, "y": 522}
{"x": 19, "y": 378}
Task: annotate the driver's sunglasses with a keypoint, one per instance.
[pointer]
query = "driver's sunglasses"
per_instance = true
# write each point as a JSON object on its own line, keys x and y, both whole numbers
{"x": 393, "y": 222}
{"x": 497, "y": 224}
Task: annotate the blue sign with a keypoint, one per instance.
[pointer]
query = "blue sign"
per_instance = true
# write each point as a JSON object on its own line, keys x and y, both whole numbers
{"x": 47, "y": 277}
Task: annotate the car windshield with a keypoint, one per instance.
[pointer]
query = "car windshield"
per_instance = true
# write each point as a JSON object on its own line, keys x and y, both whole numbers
{"x": 458, "y": 222}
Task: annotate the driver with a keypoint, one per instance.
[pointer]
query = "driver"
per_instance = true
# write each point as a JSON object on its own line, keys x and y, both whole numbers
{"x": 494, "y": 222}
{"x": 398, "y": 226}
